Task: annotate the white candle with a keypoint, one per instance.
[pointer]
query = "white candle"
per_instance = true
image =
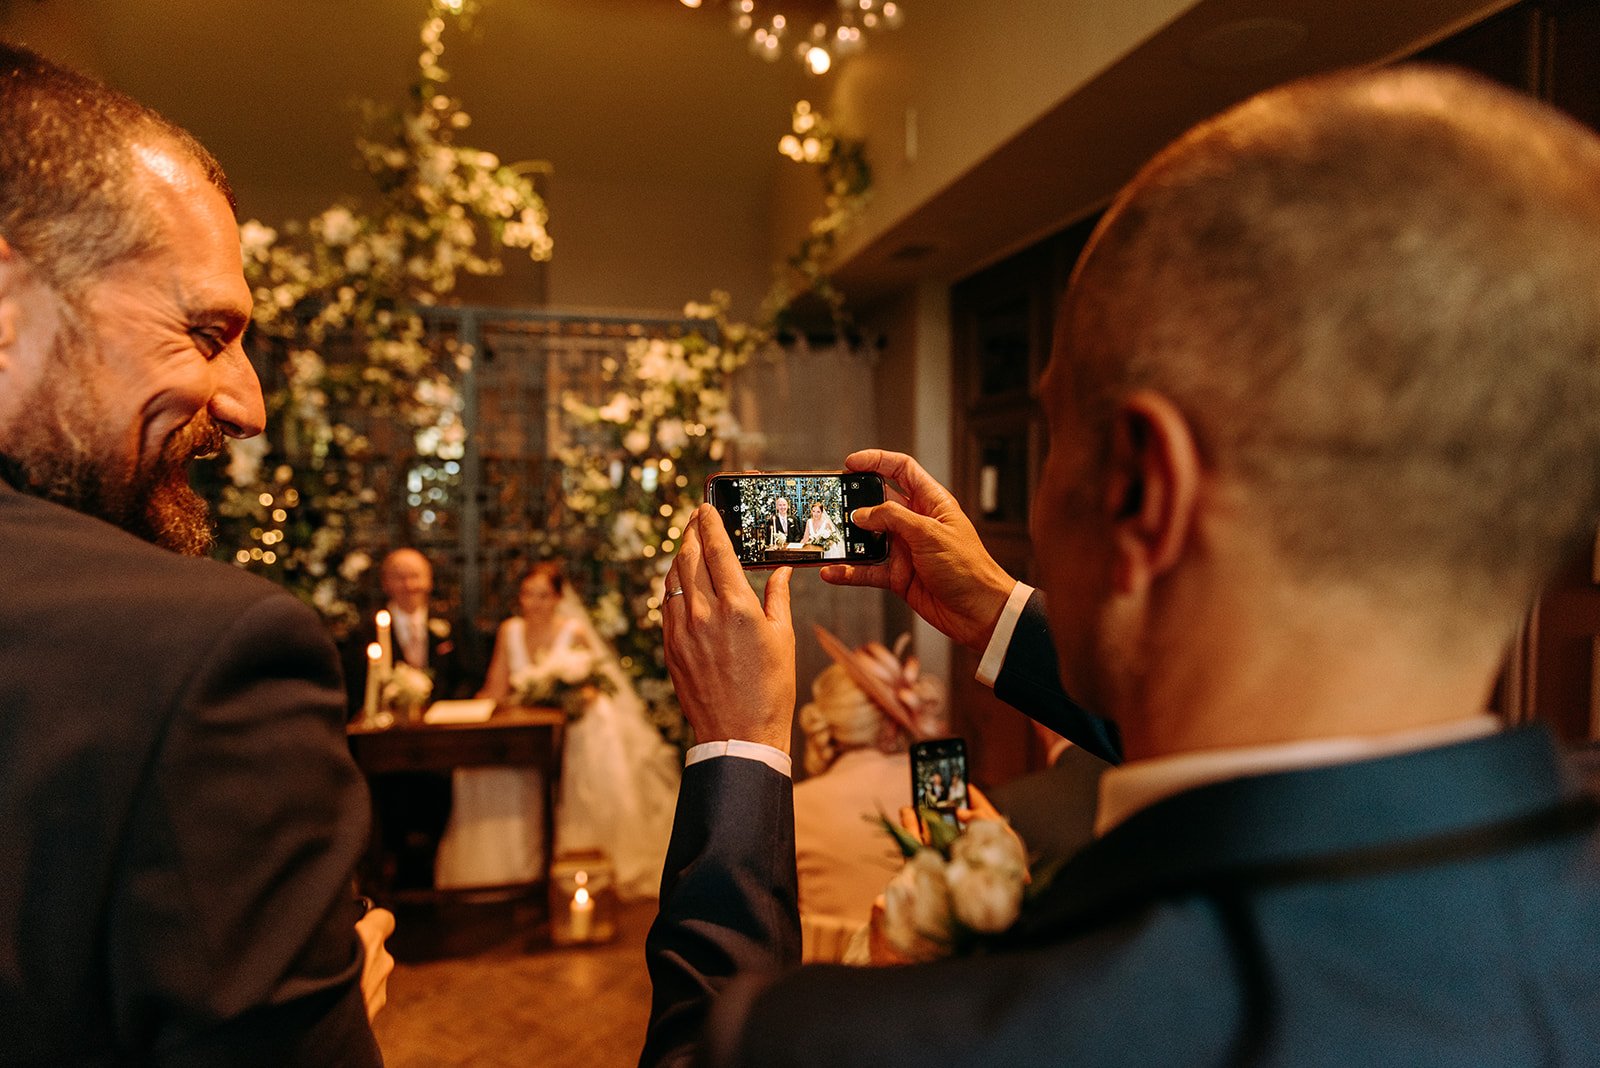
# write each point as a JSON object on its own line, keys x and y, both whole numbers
{"x": 582, "y": 915}
{"x": 386, "y": 640}
{"x": 369, "y": 707}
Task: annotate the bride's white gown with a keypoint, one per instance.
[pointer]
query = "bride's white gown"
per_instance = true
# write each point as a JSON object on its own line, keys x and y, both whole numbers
{"x": 618, "y": 790}
{"x": 816, "y": 532}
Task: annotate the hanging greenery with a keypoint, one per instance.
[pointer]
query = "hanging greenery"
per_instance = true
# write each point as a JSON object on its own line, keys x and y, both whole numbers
{"x": 338, "y": 300}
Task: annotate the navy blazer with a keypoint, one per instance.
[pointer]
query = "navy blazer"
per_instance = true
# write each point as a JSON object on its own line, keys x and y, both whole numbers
{"x": 179, "y": 813}
{"x": 1432, "y": 908}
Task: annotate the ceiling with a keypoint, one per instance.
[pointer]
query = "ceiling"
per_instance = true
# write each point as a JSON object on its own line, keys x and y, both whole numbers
{"x": 661, "y": 129}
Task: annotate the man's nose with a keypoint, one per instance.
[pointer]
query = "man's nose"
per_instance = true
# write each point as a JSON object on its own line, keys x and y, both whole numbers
{"x": 236, "y": 401}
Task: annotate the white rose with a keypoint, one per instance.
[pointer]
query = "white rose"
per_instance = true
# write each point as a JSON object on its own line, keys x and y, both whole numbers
{"x": 617, "y": 409}
{"x": 339, "y": 226}
{"x": 256, "y": 240}
{"x": 916, "y": 915}
{"x": 670, "y": 434}
{"x": 986, "y": 875}
{"x": 244, "y": 459}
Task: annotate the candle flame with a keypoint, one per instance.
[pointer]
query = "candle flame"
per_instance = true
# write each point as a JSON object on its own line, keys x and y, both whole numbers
{"x": 374, "y": 651}
{"x": 383, "y": 617}
{"x": 581, "y": 897}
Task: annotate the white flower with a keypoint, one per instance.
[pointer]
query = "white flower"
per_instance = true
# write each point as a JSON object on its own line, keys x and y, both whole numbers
{"x": 671, "y": 435}
{"x": 244, "y": 459}
{"x": 436, "y": 166}
{"x": 617, "y": 409}
{"x": 917, "y": 918}
{"x": 571, "y": 665}
{"x": 358, "y": 259}
{"x": 256, "y": 240}
{"x": 353, "y": 566}
{"x": 339, "y": 226}
{"x": 986, "y": 875}
{"x": 407, "y": 687}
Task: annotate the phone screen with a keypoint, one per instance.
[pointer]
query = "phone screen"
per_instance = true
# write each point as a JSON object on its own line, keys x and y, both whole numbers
{"x": 777, "y": 518}
{"x": 939, "y": 777}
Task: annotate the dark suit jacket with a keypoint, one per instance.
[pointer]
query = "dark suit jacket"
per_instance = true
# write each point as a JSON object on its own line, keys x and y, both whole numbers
{"x": 1434, "y": 908}
{"x": 1053, "y": 809}
{"x": 179, "y": 813}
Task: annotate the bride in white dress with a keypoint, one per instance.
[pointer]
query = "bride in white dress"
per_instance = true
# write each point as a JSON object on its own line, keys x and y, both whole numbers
{"x": 619, "y": 778}
{"x": 819, "y": 528}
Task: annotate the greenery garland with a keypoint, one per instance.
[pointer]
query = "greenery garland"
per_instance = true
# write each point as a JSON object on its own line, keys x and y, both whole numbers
{"x": 338, "y": 300}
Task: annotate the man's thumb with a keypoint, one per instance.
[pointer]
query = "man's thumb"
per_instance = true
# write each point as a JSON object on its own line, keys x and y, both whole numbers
{"x": 777, "y": 599}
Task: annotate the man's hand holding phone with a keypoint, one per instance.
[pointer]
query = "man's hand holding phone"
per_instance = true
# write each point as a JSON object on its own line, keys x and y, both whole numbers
{"x": 936, "y": 561}
{"x": 731, "y": 657}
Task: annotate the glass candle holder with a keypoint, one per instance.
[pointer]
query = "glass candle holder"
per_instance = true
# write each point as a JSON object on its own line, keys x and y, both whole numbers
{"x": 583, "y": 899}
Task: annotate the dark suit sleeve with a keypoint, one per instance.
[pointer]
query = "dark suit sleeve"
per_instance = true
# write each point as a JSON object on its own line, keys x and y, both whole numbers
{"x": 231, "y": 938}
{"x": 728, "y": 898}
{"x": 1030, "y": 681}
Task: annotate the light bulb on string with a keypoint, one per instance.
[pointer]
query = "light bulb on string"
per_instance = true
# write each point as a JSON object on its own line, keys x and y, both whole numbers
{"x": 818, "y": 61}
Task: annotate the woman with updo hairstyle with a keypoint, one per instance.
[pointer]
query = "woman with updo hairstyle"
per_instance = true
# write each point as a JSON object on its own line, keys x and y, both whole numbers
{"x": 857, "y": 763}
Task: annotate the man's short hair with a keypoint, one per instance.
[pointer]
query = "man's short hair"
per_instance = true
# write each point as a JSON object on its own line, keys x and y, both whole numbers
{"x": 1376, "y": 297}
{"x": 68, "y": 203}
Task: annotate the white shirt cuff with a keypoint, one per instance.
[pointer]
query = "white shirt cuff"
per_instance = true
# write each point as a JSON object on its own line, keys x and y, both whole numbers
{"x": 994, "y": 657}
{"x": 776, "y": 759}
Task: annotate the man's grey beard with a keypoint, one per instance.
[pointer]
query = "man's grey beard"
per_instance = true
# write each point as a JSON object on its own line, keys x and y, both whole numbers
{"x": 64, "y": 455}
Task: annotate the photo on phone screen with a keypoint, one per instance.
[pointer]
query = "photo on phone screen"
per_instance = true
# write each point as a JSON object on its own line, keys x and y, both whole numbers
{"x": 777, "y": 518}
{"x": 939, "y": 777}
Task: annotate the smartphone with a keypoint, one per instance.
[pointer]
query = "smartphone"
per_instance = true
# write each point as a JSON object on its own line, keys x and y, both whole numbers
{"x": 939, "y": 778}
{"x": 798, "y": 518}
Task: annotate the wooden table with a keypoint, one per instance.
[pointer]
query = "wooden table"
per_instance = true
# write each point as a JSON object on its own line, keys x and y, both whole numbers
{"x": 513, "y": 736}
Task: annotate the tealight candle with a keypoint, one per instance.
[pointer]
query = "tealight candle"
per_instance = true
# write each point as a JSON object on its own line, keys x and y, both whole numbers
{"x": 582, "y": 915}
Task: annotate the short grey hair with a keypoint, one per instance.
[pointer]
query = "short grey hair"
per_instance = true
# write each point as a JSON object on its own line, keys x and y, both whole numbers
{"x": 67, "y": 204}
{"x": 1376, "y": 298}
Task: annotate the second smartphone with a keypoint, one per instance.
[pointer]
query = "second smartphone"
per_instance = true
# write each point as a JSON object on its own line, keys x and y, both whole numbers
{"x": 798, "y": 518}
{"x": 939, "y": 778}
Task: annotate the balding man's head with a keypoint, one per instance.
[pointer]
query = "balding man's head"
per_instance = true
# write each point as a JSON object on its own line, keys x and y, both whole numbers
{"x": 407, "y": 579}
{"x": 1376, "y": 298}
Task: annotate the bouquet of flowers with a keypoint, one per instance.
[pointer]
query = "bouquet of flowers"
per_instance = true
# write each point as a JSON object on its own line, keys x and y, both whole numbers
{"x": 826, "y": 541}
{"x": 958, "y": 889}
{"x": 406, "y": 689}
{"x": 566, "y": 678}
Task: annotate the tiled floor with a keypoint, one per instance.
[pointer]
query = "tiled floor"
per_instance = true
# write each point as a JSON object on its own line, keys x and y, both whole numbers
{"x": 513, "y": 1007}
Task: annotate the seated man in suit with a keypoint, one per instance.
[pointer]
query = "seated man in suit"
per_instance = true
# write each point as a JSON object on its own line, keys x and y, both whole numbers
{"x": 412, "y": 807}
{"x": 1324, "y": 414}
{"x": 781, "y": 526}
{"x": 179, "y": 813}
{"x": 423, "y": 640}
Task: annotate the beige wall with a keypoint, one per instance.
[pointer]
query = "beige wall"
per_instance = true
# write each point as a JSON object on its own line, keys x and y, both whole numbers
{"x": 975, "y": 74}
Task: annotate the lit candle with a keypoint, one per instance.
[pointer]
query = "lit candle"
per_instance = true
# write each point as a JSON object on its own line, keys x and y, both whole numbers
{"x": 369, "y": 707}
{"x": 582, "y": 915}
{"x": 386, "y": 640}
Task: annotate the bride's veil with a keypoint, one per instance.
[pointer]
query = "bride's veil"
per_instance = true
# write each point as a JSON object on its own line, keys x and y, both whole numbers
{"x": 572, "y": 614}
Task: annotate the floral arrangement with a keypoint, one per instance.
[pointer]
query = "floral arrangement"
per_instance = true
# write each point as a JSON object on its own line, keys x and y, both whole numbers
{"x": 338, "y": 299}
{"x": 406, "y": 690}
{"x": 825, "y": 541}
{"x": 561, "y": 678}
{"x": 960, "y": 888}
{"x": 633, "y": 474}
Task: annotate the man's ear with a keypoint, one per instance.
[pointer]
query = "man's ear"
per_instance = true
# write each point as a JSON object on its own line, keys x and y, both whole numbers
{"x": 1152, "y": 488}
